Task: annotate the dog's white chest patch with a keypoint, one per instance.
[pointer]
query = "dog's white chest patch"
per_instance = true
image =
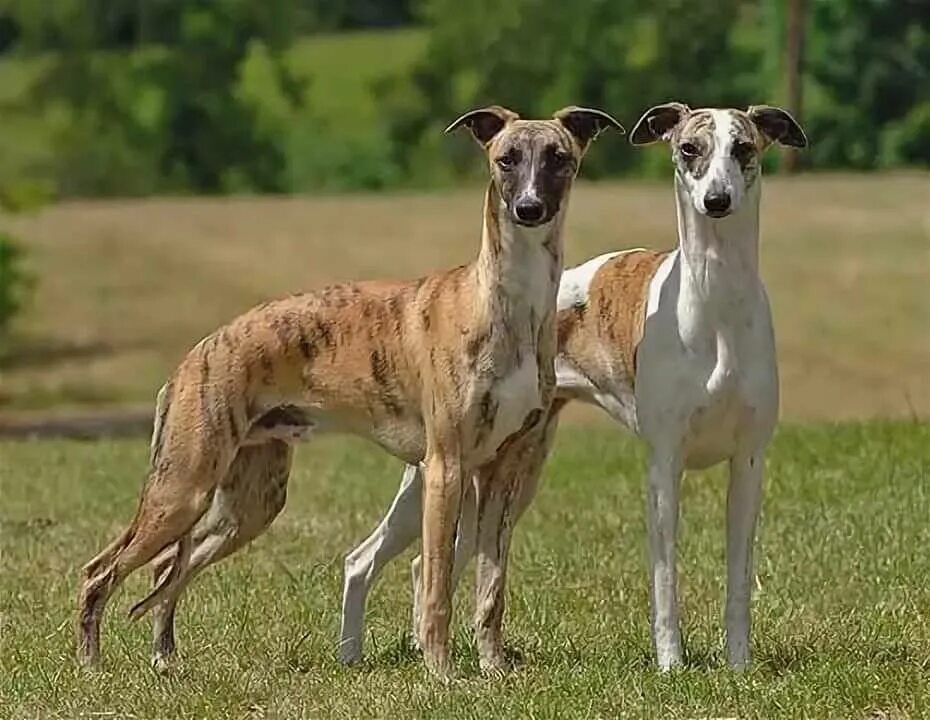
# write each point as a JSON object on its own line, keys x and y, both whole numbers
{"x": 713, "y": 428}
{"x": 504, "y": 408}
{"x": 731, "y": 404}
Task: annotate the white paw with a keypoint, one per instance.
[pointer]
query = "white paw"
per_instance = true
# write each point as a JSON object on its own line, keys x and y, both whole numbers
{"x": 161, "y": 664}
{"x": 350, "y": 651}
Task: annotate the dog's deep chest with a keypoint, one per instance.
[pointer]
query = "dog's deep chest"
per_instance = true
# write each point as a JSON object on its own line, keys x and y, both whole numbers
{"x": 501, "y": 404}
{"x": 738, "y": 395}
{"x": 503, "y": 389}
{"x": 714, "y": 418}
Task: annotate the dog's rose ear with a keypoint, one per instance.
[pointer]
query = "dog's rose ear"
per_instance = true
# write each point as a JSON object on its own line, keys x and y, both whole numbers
{"x": 585, "y": 124}
{"x": 485, "y": 123}
{"x": 658, "y": 122}
{"x": 777, "y": 125}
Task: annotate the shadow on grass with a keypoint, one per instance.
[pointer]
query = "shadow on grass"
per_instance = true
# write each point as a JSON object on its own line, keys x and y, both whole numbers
{"x": 774, "y": 660}
{"x": 29, "y": 527}
{"x": 401, "y": 652}
{"x": 793, "y": 657}
{"x": 42, "y": 353}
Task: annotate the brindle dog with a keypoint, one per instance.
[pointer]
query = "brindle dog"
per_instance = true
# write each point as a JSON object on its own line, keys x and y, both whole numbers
{"x": 454, "y": 371}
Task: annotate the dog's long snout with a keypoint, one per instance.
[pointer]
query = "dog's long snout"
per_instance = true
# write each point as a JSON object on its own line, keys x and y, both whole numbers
{"x": 717, "y": 203}
{"x": 529, "y": 209}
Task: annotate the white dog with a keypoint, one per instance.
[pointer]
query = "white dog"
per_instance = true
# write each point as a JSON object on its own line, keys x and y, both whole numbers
{"x": 676, "y": 346}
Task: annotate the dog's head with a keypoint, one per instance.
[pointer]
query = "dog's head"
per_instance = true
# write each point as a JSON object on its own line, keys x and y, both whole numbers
{"x": 533, "y": 162}
{"x": 717, "y": 152}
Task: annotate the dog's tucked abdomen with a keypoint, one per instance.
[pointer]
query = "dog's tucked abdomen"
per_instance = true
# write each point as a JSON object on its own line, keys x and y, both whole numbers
{"x": 601, "y": 321}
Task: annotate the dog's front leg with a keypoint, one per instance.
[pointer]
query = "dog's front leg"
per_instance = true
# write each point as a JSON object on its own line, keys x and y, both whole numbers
{"x": 744, "y": 498}
{"x": 665, "y": 469}
{"x": 525, "y": 469}
{"x": 465, "y": 538}
{"x": 442, "y": 496}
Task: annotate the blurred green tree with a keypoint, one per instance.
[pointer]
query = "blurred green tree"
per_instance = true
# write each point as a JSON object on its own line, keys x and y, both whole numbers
{"x": 16, "y": 283}
{"x": 168, "y": 119}
{"x": 195, "y": 95}
{"x": 868, "y": 73}
{"x": 349, "y": 14}
{"x": 537, "y": 56}
{"x": 126, "y": 24}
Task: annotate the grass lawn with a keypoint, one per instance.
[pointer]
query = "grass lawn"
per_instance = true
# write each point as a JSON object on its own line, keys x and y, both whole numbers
{"x": 840, "y": 613}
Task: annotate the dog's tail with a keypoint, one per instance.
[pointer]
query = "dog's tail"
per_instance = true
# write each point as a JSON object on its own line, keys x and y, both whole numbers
{"x": 161, "y": 411}
{"x": 105, "y": 556}
{"x": 124, "y": 538}
{"x": 169, "y": 583}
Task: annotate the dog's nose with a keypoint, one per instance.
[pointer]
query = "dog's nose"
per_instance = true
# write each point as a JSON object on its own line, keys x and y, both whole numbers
{"x": 530, "y": 210}
{"x": 717, "y": 203}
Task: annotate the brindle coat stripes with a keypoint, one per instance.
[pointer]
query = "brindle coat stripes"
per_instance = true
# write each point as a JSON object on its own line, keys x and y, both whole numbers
{"x": 450, "y": 370}
{"x": 696, "y": 132}
{"x": 599, "y": 339}
{"x": 252, "y": 495}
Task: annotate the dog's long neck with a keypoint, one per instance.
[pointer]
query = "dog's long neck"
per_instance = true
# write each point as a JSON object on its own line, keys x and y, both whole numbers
{"x": 518, "y": 268}
{"x": 719, "y": 258}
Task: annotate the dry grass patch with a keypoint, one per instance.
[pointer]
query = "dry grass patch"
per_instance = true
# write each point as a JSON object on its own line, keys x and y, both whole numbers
{"x": 126, "y": 287}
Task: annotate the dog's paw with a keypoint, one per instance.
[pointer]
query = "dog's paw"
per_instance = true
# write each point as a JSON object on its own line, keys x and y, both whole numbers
{"x": 495, "y": 666}
{"x": 350, "y": 652}
{"x": 161, "y": 664}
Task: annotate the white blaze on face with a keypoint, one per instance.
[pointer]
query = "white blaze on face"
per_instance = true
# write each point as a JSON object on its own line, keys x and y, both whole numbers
{"x": 528, "y": 192}
{"x": 724, "y": 174}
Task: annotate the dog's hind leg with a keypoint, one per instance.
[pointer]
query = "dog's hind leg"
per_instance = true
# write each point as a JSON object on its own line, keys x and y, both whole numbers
{"x": 177, "y": 492}
{"x": 243, "y": 507}
{"x": 396, "y": 531}
{"x": 210, "y": 547}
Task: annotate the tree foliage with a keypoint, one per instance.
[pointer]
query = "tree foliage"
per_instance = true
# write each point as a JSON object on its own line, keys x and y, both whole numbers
{"x": 127, "y": 24}
{"x": 869, "y": 71}
{"x": 170, "y": 119}
{"x": 866, "y": 71}
{"x": 14, "y": 281}
{"x": 147, "y": 96}
{"x": 622, "y": 56}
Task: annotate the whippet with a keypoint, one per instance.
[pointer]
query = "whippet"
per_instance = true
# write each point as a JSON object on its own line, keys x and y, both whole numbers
{"x": 676, "y": 346}
{"x": 454, "y": 371}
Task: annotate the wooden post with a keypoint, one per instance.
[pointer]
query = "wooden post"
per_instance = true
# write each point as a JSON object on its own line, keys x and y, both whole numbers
{"x": 794, "y": 62}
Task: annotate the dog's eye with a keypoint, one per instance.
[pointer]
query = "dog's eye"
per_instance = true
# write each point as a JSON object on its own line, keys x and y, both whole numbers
{"x": 507, "y": 161}
{"x": 560, "y": 158}
{"x": 743, "y": 150}
{"x": 689, "y": 150}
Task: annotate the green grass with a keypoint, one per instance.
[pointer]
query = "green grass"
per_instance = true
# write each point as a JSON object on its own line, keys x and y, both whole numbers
{"x": 840, "y": 616}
